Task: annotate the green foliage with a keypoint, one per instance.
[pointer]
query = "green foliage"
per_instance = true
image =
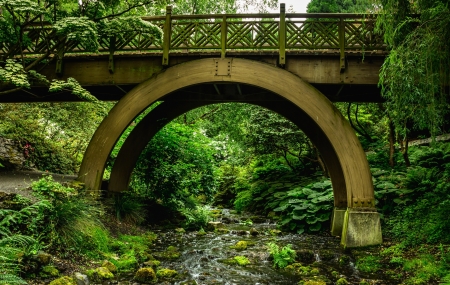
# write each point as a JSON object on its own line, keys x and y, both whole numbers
{"x": 196, "y": 218}
{"x": 369, "y": 264}
{"x": 175, "y": 167}
{"x": 339, "y": 6}
{"x": 424, "y": 269}
{"x": 416, "y": 72}
{"x": 128, "y": 208}
{"x": 281, "y": 257}
{"x": 74, "y": 86}
{"x": 12, "y": 251}
{"x": 13, "y": 73}
{"x": 78, "y": 30}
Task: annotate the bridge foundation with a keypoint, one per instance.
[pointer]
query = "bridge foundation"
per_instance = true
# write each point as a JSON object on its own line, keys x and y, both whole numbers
{"x": 337, "y": 221}
{"x": 361, "y": 227}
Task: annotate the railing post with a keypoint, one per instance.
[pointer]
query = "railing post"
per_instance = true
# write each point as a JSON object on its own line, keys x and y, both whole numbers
{"x": 223, "y": 37}
{"x": 59, "y": 56}
{"x": 112, "y": 48}
{"x": 282, "y": 35}
{"x": 342, "y": 43}
{"x": 167, "y": 34}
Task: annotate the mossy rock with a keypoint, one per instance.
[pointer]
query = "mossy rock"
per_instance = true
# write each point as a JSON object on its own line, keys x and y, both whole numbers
{"x": 326, "y": 255}
{"x": 145, "y": 275}
{"x": 237, "y": 260}
{"x": 306, "y": 256}
{"x": 152, "y": 263}
{"x": 221, "y": 230}
{"x": 364, "y": 282}
{"x": 65, "y": 280}
{"x": 312, "y": 282}
{"x": 240, "y": 245}
{"x": 342, "y": 281}
{"x": 43, "y": 258}
{"x": 99, "y": 274}
{"x": 170, "y": 253}
{"x": 49, "y": 271}
{"x": 180, "y": 230}
{"x": 201, "y": 232}
{"x": 165, "y": 273}
{"x": 111, "y": 267}
{"x": 314, "y": 271}
{"x": 344, "y": 260}
{"x": 275, "y": 232}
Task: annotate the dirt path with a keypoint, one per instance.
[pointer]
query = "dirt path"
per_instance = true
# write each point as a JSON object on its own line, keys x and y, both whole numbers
{"x": 17, "y": 181}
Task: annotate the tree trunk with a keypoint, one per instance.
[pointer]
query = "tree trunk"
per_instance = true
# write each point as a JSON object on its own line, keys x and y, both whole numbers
{"x": 391, "y": 143}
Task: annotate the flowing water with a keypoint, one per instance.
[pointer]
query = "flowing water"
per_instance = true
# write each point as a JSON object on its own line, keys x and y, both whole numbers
{"x": 201, "y": 256}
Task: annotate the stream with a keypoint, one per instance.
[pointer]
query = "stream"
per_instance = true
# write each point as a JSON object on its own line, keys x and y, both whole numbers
{"x": 201, "y": 256}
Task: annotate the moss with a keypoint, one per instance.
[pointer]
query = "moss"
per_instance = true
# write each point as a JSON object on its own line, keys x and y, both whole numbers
{"x": 145, "y": 275}
{"x": 171, "y": 248}
{"x": 201, "y": 232}
{"x": 344, "y": 260}
{"x": 312, "y": 282}
{"x": 241, "y": 260}
{"x": 364, "y": 282}
{"x": 369, "y": 264}
{"x": 180, "y": 230}
{"x": 65, "y": 280}
{"x": 240, "y": 245}
{"x": 111, "y": 267}
{"x": 152, "y": 263}
{"x": 335, "y": 274}
{"x": 99, "y": 274}
{"x": 275, "y": 232}
{"x": 221, "y": 231}
{"x": 342, "y": 281}
{"x": 49, "y": 271}
{"x": 314, "y": 271}
{"x": 166, "y": 273}
{"x": 170, "y": 253}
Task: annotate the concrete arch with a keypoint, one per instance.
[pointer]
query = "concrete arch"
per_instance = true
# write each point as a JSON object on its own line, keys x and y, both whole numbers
{"x": 317, "y": 110}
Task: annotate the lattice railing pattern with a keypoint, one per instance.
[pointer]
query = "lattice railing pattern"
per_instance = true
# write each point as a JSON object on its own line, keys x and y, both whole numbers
{"x": 190, "y": 33}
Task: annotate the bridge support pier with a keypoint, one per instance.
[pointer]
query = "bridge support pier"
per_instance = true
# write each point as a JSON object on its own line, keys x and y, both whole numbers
{"x": 360, "y": 227}
{"x": 337, "y": 221}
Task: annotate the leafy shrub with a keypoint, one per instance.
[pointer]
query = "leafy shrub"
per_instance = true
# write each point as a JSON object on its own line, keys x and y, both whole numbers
{"x": 307, "y": 208}
{"x": 283, "y": 257}
{"x": 11, "y": 250}
{"x": 128, "y": 208}
{"x": 198, "y": 217}
{"x": 369, "y": 264}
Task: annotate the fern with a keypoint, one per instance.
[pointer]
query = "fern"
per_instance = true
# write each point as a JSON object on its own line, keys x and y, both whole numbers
{"x": 10, "y": 248}
{"x": 283, "y": 257}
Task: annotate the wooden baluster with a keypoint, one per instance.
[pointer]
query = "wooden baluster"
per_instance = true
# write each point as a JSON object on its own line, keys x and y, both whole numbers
{"x": 282, "y": 35}
{"x": 342, "y": 43}
{"x": 224, "y": 37}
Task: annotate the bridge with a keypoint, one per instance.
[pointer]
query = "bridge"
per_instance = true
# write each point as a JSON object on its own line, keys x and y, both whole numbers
{"x": 293, "y": 64}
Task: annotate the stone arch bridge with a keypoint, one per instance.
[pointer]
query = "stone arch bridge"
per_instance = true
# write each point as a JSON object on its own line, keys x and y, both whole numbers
{"x": 293, "y": 64}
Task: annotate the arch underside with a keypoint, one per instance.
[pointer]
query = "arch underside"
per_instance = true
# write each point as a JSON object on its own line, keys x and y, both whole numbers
{"x": 301, "y": 103}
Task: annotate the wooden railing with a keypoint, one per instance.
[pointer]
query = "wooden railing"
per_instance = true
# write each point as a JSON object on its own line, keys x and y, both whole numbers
{"x": 279, "y": 33}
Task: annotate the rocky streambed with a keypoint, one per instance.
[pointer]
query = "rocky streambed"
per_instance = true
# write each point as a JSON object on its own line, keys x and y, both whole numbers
{"x": 234, "y": 250}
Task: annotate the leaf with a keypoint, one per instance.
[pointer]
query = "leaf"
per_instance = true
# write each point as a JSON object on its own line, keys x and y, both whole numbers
{"x": 315, "y": 227}
{"x": 299, "y": 217}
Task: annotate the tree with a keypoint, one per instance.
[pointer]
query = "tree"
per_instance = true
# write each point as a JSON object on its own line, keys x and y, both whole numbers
{"x": 69, "y": 21}
{"x": 339, "y": 6}
{"x": 416, "y": 74}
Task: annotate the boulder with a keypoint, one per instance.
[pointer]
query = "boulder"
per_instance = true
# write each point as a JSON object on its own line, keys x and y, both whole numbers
{"x": 65, "y": 280}
{"x": 145, "y": 275}
{"x": 81, "y": 279}
{"x": 111, "y": 267}
{"x": 11, "y": 154}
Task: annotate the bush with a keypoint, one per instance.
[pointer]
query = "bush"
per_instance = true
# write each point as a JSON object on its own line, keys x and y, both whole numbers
{"x": 283, "y": 257}
{"x": 196, "y": 218}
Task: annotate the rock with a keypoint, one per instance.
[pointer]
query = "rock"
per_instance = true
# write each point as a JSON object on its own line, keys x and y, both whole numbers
{"x": 222, "y": 230}
{"x": 306, "y": 256}
{"x": 342, "y": 281}
{"x": 42, "y": 258}
{"x": 326, "y": 255}
{"x": 211, "y": 226}
{"x": 145, "y": 275}
{"x": 180, "y": 230}
{"x": 240, "y": 245}
{"x": 152, "y": 263}
{"x": 165, "y": 273}
{"x": 99, "y": 274}
{"x": 81, "y": 279}
{"x": 49, "y": 270}
{"x": 65, "y": 280}
{"x": 111, "y": 267}
{"x": 275, "y": 232}
{"x": 364, "y": 282}
{"x": 254, "y": 232}
{"x": 11, "y": 154}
